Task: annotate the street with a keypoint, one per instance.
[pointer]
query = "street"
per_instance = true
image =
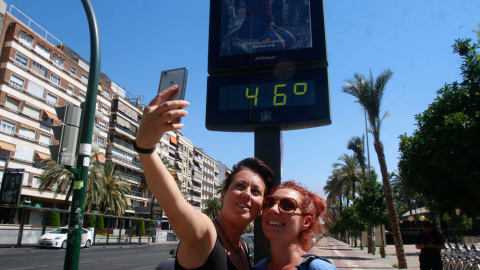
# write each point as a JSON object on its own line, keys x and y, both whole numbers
{"x": 96, "y": 257}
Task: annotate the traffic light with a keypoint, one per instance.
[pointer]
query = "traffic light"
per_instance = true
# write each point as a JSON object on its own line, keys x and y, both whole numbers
{"x": 66, "y": 134}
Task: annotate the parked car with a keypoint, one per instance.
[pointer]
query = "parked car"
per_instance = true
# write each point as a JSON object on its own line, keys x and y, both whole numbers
{"x": 58, "y": 238}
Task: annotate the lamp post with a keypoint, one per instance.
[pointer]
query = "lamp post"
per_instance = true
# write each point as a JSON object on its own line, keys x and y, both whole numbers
{"x": 368, "y": 160}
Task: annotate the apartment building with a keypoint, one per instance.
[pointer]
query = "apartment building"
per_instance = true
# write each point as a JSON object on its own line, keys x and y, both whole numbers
{"x": 35, "y": 77}
{"x": 38, "y": 73}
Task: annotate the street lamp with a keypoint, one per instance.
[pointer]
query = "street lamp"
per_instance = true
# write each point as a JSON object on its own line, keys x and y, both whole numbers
{"x": 368, "y": 160}
{"x": 422, "y": 218}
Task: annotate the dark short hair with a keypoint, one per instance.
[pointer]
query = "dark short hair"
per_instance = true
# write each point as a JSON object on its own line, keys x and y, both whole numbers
{"x": 427, "y": 224}
{"x": 255, "y": 165}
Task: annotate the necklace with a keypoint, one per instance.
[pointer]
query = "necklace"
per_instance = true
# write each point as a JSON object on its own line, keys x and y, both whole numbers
{"x": 237, "y": 256}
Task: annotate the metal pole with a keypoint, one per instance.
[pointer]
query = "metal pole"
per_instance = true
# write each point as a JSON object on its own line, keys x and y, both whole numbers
{"x": 368, "y": 156}
{"x": 72, "y": 255}
{"x": 267, "y": 148}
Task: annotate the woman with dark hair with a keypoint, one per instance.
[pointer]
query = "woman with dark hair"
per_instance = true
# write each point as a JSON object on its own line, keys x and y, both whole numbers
{"x": 290, "y": 221}
{"x": 204, "y": 244}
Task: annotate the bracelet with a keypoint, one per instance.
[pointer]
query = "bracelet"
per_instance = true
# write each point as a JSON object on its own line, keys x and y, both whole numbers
{"x": 143, "y": 150}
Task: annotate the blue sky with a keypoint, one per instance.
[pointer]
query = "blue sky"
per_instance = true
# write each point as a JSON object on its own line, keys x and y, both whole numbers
{"x": 413, "y": 38}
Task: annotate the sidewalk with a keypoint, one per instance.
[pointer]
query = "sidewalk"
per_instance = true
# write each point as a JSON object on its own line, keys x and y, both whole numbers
{"x": 344, "y": 256}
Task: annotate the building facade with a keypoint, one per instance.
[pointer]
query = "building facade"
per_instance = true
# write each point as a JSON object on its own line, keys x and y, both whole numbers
{"x": 38, "y": 73}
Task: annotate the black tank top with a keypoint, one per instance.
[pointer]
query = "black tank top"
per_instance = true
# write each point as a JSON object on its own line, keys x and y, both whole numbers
{"x": 217, "y": 260}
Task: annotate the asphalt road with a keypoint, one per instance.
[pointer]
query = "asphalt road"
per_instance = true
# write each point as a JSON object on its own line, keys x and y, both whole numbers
{"x": 116, "y": 257}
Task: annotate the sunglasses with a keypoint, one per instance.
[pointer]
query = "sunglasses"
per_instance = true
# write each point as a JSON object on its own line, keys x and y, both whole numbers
{"x": 286, "y": 205}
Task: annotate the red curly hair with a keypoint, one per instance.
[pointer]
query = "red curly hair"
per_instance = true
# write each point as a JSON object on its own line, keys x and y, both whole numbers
{"x": 313, "y": 206}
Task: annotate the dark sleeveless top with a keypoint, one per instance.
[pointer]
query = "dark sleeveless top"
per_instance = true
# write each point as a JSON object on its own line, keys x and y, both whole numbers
{"x": 217, "y": 260}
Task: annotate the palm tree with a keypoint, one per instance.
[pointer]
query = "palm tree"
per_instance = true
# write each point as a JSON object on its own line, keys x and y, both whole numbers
{"x": 356, "y": 144}
{"x": 348, "y": 168}
{"x": 336, "y": 188}
{"x": 358, "y": 147}
{"x": 213, "y": 207}
{"x": 369, "y": 93}
{"x": 56, "y": 177}
{"x": 106, "y": 189}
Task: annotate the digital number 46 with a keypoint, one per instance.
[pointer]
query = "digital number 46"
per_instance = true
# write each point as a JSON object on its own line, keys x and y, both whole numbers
{"x": 279, "y": 98}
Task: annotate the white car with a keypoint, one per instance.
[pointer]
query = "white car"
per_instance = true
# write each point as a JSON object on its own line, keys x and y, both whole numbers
{"x": 58, "y": 238}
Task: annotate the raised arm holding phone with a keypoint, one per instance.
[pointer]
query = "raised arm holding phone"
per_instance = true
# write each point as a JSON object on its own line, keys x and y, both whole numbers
{"x": 204, "y": 244}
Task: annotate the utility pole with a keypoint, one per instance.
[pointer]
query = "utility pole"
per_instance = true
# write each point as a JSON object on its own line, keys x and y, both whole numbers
{"x": 72, "y": 255}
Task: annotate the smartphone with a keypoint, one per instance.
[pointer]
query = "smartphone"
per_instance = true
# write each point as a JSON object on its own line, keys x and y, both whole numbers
{"x": 170, "y": 78}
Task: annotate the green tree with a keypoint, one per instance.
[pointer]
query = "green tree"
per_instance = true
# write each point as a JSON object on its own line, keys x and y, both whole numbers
{"x": 352, "y": 221}
{"x": 349, "y": 169}
{"x": 53, "y": 219}
{"x": 358, "y": 147}
{"x": 336, "y": 188}
{"x": 213, "y": 207}
{"x": 369, "y": 93}
{"x": 140, "y": 228}
{"x": 57, "y": 178}
{"x": 440, "y": 159}
{"x": 99, "y": 223}
{"x": 90, "y": 221}
{"x": 106, "y": 190}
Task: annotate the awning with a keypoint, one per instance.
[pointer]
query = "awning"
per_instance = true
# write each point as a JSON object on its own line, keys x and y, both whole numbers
{"x": 173, "y": 140}
{"x": 7, "y": 146}
{"x": 51, "y": 115}
{"x": 42, "y": 155}
{"x": 100, "y": 156}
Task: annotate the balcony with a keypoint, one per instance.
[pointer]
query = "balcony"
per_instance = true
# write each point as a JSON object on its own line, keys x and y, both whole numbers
{"x": 197, "y": 169}
{"x": 198, "y": 159}
{"x": 123, "y": 144}
{"x": 197, "y": 189}
{"x": 125, "y": 160}
{"x": 196, "y": 179}
{"x": 127, "y": 131}
{"x": 196, "y": 199}
{"x": 129, "y": 177}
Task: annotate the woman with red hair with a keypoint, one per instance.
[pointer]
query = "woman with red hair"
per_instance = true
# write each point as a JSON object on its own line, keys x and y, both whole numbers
{"x": 290, "y": 221}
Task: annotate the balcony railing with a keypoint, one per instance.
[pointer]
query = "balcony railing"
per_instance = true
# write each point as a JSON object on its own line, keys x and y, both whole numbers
{"x": 123, "y": 144}
{"x": 130, "y": 177}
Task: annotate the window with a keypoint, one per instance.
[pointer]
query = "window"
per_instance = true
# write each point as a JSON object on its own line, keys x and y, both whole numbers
{"x": 12, "y": 103}
{"x": 82, "y": 97}
{"x": 35, "y": 89}
{"x": 31, "y": 111}
{"x": 44, "y": 139}
{"x": 84, "y": 79}
{"x": 100, "y": 141}
{"x": 102, "y": 124}
{"x": 8, "y": 127}
{"x": 73, "y": 70}
{"x": 106, "y": 93}
{"x": 16, "y": 81}
{"x": 70, "y": 89}
{"x": 54, "y": 79}
{"x": 25, "y": 40}
{"x": 24, "y": 153}
{"x": 104, "y": 111}
{"x": 27, "y": 133}
{"x": 51, "y": 99}
{"x": 21, "y": 60}
{"x": 42, "y": 51}
{"x": 39, "y": 69}
{"x": 57, "y": 61}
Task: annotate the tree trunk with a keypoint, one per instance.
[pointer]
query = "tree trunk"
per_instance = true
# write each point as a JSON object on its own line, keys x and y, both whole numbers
{"x": 369, "y": 239}
{"x": 392, "y": 212}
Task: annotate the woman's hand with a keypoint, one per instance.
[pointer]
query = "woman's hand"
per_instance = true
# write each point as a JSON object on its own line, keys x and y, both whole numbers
{"x": 159, "y": 117}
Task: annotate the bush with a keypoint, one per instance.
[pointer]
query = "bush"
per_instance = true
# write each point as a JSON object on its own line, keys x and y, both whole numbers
{"x": 90, "y": 222}
{"x": 99, "y": 224}
{"x": 140, "y": 228}
{"x": 53, "y": 219}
